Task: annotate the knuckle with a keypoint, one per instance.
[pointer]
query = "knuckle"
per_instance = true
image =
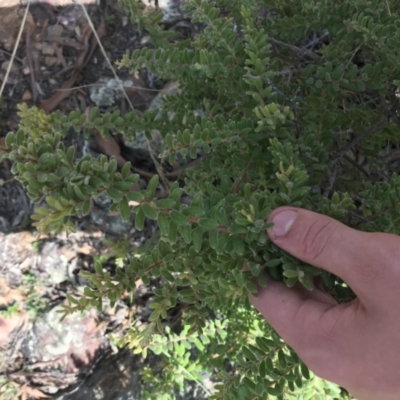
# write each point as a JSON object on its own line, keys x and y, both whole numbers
{"x": 316, "y": 239}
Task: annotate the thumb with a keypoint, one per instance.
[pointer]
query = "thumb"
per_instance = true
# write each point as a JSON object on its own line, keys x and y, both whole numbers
{"x": 361, "y": 259}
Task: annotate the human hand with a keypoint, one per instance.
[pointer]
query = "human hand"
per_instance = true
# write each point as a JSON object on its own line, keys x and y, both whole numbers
{"x": 356, "y": 344}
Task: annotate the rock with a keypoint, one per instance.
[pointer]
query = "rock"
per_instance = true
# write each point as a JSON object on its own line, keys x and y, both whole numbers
{"x": 157, "y": 142}
{"x": 71, "y": 346}
{"x": 8, "y": 326}
{"x": 117, "y": 378}
{"x": 12, "y": 331}
{"x": 102, "y": 218}
{"x": 54, "y": 262}
{"x": 51, "y": 61}
{"x": 106, "y": 92}
{"x": 171, "y": 9}
{"x": 15, "y": 249}
{"x": 48, "y": 48}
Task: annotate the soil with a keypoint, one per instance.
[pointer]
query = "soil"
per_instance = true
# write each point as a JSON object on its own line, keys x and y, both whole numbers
{"x": 40, "y": 357}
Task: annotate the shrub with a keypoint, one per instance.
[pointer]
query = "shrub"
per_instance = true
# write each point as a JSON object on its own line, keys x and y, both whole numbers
{"x": 286, "y": 103}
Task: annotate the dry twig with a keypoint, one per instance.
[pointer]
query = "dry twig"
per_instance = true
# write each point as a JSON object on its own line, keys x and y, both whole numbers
{"x": 151, "y": 152}
{"x": 362, "y": 136}
{"x": 21, "y": 29}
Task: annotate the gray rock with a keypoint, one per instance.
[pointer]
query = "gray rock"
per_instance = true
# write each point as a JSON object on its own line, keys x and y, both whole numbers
{"x": 107, "y": 91}
{"x": 70, "y": 347}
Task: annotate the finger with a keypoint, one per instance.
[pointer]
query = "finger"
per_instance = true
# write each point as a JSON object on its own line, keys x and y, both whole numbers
{"x": 356, "y": 257}
{"x": 294, "y": 313}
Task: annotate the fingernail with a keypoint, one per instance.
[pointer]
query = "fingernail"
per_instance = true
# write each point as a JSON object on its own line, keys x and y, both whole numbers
{"x": 283, "y": 221}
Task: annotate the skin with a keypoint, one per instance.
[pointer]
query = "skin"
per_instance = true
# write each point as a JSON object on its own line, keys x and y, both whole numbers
{"x": 356, "y": 344}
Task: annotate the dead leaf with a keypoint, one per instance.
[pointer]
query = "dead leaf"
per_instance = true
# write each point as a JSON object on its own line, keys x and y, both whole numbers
{"x": 65, "y": 41}
{"x": 52, "y": 102}
{"x": 25, "y": 392}
{"x": 3, "y": 143}
{"x": 110, "y": 147}
{"x": 27, "y": 95}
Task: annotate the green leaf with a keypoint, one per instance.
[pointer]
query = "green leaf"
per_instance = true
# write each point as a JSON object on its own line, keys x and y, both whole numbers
{"x": 237, "y": 229}
{"x": 248, "y": 354}
{"x": 186, "y": 137}
{"x": 177, "y": 217}
{"x": 318, "y": 84}
{"x": 213, "y": 238}
{"x": 290, "y": 273}
{"x": 274, "y": 263}
{"x": 167, "y": 275}
{"x": 197, "y": 238}
{"x": 282, "y": 359}
{"x": 306, "y": 282}
{"x": 176, "y": 194}
{"x": 269, "y": 364}
{"x": 274, "y": 391}
{"x": 153, "y": 184}
{"x": 186, "y": 233}
{"x": 86, "y": 207}
{"x": 173, "y": 232}
{"x": 98, "y": 268}
{"x": 208, "y": 223}
{"x": 238, "y": 245}
{"x": 193, "y": 211}
{"x": 165, "y": 203}
{"x": 198, "y": 344}
{"x": 126, "y": 170}
{"x": 135, "y": 196}
{"x": 114, "y": 194}
{"x": 20, "y": 137}
{"x": 163, "y": 223}
{"x": 149, "y": 211}
{"x": 252, "y": 288}
{"x": 139, "y": 219}
{"x": 79, "y": 193}
{"x": 112, "y": 165}
{"x": 94, "y": 113}
{"x": 52, "y": 202}
{"x": 125, "y": 209}
{"x": 305, "y": 371}
{"x": 10, "y": 138}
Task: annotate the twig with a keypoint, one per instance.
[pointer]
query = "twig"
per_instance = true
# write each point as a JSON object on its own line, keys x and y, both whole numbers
{"x": 90, "y": 22}
{"x": 102, "y": 84}
{"x": 292, "y": 103}
{"x": 21, "y": 29}
{"x": 317, "y": 39}
{"x": 357, "y": 165}
{"x": 392, "y": 115}
{"x": 172, "y": 174}
{"x": 332, "y": 179}
{"x": 30, "y": 63}
{"x": 360, "y": 137}
{"x": 362, "y": 218}
{"x": 242, "y": 176}
{"x": 151, "y": 152}
{"x": 385, "y": 210}
{"x": 10, "y": 54}
{"x": 294, "y": 48}
{"x": 388, "y": 7}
